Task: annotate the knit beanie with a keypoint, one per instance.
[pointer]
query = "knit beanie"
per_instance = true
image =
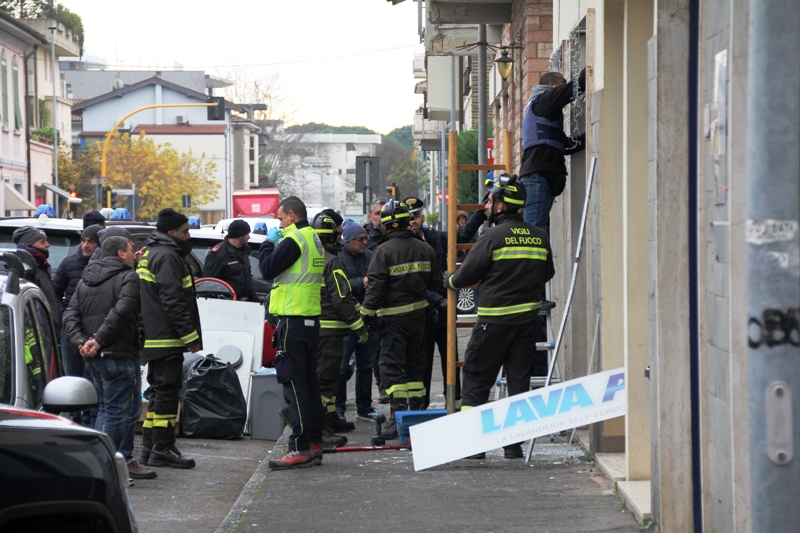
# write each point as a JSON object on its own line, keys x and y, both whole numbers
{"x": 28, "y": 235}
{"x": 93, "y": 217}
{"x": 169, "y": 219}
{"x": 351, "y": 229}
{"x": 238, "y": 228}
{"x": 92, "y": 233}
{"x": 113, "y": 231}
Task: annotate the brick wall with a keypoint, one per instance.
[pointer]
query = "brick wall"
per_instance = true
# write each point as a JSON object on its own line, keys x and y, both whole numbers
{"x": 532, "y": 26}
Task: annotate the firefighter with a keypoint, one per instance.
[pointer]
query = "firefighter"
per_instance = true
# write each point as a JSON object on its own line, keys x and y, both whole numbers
{"x": 292, "y": 256}
{"x": 400, "y": 273}
{"x": 340, "y": 316}
{"x": 512, "y": 261}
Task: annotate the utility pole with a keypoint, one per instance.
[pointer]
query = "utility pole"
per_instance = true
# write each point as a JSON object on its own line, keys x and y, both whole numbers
{"x": 773, "y": 237}
{"x": 482, "y": 97}
{"x": 55, "y": 111}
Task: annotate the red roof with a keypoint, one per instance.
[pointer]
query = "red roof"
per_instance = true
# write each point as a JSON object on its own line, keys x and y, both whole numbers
{"x": 180, "y": 129}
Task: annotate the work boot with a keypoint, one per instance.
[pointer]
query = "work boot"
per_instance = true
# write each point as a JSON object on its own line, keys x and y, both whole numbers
{"x": 292, "y": 459}
{"x": 316, "y": 453}
{"x": 389, "y": 430}
{"x": 416, "y": 404}
{"x": 137, "y": 472}
{"x": 513, "y": 452}
{"x": 330, "y": 438}
{"x": 147, "y": 445}
{"x": 382, "y": 396}
{"x": 170, "y": 457}
{"x": 144, "y": 459}
{"x": 339, "y": 425}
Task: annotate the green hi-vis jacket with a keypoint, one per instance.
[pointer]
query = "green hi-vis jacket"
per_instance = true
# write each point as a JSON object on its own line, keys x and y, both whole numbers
{"x": 296, "y": 290}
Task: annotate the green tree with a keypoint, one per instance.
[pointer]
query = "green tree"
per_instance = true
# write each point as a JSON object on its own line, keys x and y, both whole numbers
{"x": 468, "y": 155}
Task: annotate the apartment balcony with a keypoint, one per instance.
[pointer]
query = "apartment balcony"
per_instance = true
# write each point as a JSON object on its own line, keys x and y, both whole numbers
{"x": 426, "y": 132}
{"x": 469, "y": 11}
{"x": 419, "y": 66}
{"x": 67, "y": 44}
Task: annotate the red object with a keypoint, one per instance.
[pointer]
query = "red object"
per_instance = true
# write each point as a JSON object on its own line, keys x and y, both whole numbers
{"x": 362, "y": 449}
{"x": 490, "y": 150}
{"x": 256, "y": 203}
{"x": 267, "y": 351}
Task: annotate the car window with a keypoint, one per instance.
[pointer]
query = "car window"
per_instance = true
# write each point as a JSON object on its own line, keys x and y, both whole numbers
{"x": 48, "y": 339}
{"x": 62, "y": 244}
{"x": 34, "y": 362}
{"x": 5, "y": 354}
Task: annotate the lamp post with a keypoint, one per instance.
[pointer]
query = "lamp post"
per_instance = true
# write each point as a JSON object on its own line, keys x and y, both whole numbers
{"x": 55, "y": 111}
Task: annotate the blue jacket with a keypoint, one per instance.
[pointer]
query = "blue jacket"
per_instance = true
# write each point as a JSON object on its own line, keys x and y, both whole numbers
{"x": 67, "y": 277}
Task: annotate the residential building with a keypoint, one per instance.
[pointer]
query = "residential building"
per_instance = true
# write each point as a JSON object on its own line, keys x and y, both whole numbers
{"x": 669, "y": 234}
{"x": 184, "y": 127}
{"x": 321, "y": 168}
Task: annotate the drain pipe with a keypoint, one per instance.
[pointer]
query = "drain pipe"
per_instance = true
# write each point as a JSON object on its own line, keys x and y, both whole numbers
{"x": 694, "y": 335}
{"x": 773, "y": 255}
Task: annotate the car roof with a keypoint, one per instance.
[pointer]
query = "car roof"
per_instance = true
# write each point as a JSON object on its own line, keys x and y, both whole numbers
{"x": 212, "y": 234}
{"x": 44, "y": 222}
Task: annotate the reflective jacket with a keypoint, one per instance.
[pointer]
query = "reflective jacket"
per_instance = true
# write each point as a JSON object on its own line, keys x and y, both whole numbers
{"x": 340, "y": 310}
{"x": 169, "y": 308}
{"x": 296, "y": 290}
{"x": 512, "y": 261}
{"x": 402, "y": 270}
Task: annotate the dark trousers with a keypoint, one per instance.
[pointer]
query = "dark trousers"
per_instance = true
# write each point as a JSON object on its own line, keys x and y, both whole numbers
{"x": 165, "y": 377}
{"x": 296, "y": 366}
{"x": 402, "y": 359}
{"x": 366, "y": 359}
{"x": 433, "y": 338}
{"x": 329, "y": 362}
{"x": 493, "y": 346}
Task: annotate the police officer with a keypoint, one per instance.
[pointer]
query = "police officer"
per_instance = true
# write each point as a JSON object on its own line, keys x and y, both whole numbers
{"x": 339, "y": 318}
{"x": 293, "y": 258}
{"x": 402, "y": 270}
{"x": 230, "y": 261}
{"x": 512, "y": 260}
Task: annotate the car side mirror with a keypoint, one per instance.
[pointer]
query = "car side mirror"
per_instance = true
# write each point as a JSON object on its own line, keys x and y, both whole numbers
{"x": 69, "y": 393}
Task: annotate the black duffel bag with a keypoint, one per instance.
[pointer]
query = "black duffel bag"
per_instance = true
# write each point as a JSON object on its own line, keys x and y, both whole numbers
{"x": 214, "y": 406}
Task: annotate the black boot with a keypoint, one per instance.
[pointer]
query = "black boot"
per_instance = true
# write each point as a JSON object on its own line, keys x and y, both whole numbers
{"x": 147, "y": 445}
{"x": 389, "y": 431}
{"x": 164, "y": 452}
{"x": 339, "y": 425}
{"x": 416, "y": 404}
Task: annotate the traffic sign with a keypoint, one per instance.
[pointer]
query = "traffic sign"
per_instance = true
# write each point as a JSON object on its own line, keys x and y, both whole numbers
{"x": 446, "y": 197}
{"x": 123, "y": 192}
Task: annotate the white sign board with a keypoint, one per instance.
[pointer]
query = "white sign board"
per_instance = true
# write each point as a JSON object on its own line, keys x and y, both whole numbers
{"x": 518, "y": 418}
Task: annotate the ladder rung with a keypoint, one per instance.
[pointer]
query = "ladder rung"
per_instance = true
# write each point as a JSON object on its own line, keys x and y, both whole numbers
{"x": 539, "y": 381}
{"x": 470, "y": 207}
{"x": 480, "y": 167}
{"x": 465, "y": 246}
{"x": 465, "y": 324}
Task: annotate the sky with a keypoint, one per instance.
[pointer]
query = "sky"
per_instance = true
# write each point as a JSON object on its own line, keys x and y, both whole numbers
{"x": 340, "y": 62}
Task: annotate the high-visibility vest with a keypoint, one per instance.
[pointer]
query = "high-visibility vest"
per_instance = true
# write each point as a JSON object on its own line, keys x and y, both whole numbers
{"x": 296, "y": 290}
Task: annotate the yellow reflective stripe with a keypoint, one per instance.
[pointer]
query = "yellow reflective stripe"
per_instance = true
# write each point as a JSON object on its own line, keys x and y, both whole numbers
{"x": 358, "y": 324}
{"x": 508, "y": 310}
{"x": 416, "y": 389}
{"x": 396, "y": 216}
{"x": 146, "y": 275}
{"x": 520, "y": 252}
{"x": 398, "y": 391}
{"x": 191, "y": 337}
{"x": 187, "y": 282}
{"x": 512, "y": 200}
{"x": 172, "y": 415}
{"x": 346, "y": 281}
{"x": 162, "y": 423}
{"x": 164, "y": 343}
{"x": 358, "y": 307}
{"x": 467, "y": 407}
{"x": 410, "y": 268}
{"x": 148, "y": 423}
{"x": 388, "y": 311}
{"x": 37, "y": 370}
{"x": 367, "y": 312}
{"x": 333, "y": 324}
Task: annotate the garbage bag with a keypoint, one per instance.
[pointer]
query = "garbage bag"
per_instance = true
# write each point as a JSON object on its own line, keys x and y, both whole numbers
{"x": 214, "y": 406}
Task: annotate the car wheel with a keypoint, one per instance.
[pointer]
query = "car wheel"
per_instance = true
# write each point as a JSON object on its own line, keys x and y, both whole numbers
{"x": 465, "y": 301}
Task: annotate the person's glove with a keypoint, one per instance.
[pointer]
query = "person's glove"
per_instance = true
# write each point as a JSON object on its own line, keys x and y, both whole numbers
{"x": 442, "y": 305}
{"x": 447, "y": 276}
{"x": 363, "y": 336}
{"x": 274, "y": 234}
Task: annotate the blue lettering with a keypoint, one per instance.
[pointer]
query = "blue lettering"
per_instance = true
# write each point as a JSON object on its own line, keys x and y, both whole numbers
{"x": 616, "y": 383}
{"x": 549, "y": 408}
{"x": 518, "y": 411}
{"x": 575, "y": 395}
{"x": 487, "y": 421}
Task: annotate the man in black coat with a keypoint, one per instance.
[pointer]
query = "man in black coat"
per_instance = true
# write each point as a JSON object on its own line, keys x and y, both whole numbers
{"x": 230, "y": 261}
{"x": 67, "y": 277}
{"x": 101, "y": 324}
{"x": 34, "y": 241}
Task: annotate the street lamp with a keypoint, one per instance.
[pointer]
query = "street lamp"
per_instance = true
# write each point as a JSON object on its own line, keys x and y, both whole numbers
{"x": 504, "y": 64}
{"x": 55, "y": 110}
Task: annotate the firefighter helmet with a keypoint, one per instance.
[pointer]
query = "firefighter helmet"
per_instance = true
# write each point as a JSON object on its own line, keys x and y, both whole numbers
{"x": 325, "y": 228}
{"x": 510, "y": 191}
{"x": 394, "y": 214}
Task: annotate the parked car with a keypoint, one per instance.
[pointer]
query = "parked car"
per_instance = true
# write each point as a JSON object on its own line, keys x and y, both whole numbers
{"x": 54, "y": 475}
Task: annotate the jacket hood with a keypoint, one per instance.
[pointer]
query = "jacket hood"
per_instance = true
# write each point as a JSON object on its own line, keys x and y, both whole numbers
{"x": 163, "y": 239}
{"x": 101, "y": 271}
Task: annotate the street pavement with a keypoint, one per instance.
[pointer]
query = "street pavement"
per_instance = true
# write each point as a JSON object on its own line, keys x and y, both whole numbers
{"x": 380, "y": 491}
